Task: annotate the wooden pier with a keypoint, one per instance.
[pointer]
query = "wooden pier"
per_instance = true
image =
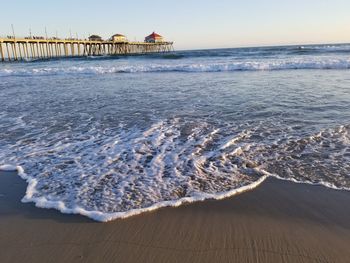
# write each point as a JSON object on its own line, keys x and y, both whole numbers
{"x": 15, "y": 49}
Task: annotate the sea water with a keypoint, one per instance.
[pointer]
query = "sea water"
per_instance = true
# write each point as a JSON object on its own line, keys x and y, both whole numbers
{"x": 110, "y": 137}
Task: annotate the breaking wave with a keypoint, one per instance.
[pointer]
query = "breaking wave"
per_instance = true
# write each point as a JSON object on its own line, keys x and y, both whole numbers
{"x": 185, "y": 67}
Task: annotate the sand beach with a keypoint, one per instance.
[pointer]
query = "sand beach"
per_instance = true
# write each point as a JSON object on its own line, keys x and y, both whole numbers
{"x": 279, "y": 221}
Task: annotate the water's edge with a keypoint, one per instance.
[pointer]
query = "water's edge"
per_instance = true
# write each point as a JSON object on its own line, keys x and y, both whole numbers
{"x": 42, "y": 202}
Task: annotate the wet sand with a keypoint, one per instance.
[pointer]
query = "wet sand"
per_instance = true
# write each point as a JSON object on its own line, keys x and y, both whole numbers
{"x": 277, "y": 222}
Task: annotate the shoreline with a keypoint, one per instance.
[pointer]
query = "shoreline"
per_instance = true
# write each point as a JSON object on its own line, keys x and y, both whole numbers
{"x": 98, "y": 216}
{"x": 277, "y": 221}
{"x": 42, "y": 202}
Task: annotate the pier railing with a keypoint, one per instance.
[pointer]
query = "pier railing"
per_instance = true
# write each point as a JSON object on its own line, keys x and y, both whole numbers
{"x": 15, "y": 49}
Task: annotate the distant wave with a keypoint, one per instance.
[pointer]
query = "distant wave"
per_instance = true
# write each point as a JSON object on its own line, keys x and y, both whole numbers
{"x": 343, "y": 47}
{"x": 258, "y": 65}
{"x": 259, "y": 51}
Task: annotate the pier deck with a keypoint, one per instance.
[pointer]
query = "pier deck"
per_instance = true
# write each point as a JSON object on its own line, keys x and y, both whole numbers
{"x": 14, "y": 49}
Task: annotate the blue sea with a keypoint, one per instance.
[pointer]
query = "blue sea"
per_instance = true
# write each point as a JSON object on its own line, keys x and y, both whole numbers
{"x": 111, "y": 137}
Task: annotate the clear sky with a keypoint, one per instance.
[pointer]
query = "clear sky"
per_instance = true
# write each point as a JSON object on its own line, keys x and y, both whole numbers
{"x": 192, "y": 24}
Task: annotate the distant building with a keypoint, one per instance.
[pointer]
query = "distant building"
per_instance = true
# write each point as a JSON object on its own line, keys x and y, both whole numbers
{"x": 154, "y": 38}
{"x": 119, "y": 38}
{"x": 95, "y": 38}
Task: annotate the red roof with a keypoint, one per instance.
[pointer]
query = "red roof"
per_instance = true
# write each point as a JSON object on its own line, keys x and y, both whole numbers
{"x": 154, "y": 35}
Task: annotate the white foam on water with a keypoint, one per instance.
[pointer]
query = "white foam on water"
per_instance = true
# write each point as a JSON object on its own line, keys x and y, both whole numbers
{"x": 8, "y": 168}
{"x": 321, "y": 183}
{"x": 320, "y": 159}
{"x": 193, "y": 66}
{"x": 108, "y": 177}
{"x": 43, "y": 202}
{"x": 174, "y": 161}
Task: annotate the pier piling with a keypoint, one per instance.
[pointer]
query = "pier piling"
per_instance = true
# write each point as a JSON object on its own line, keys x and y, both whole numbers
{"x": 2, "y": 52}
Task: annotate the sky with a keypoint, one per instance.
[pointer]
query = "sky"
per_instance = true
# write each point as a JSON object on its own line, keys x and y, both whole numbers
{"x": 191, "y": 24}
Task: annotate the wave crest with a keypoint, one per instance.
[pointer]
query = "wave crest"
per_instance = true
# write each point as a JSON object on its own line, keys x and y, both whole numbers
{"x": 266, "y": 65}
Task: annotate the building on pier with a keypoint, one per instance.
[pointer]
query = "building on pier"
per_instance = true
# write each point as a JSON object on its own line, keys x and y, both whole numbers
{"x": 95, "y": 38}
{"x": 119, "y": 38}
{"x": 154, "y": 38}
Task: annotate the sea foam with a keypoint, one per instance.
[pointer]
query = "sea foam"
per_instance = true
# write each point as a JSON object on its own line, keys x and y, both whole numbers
{"x": 193, "y": 66}
{"x": 172, "y": 162}
{"x": 8, "y": 168}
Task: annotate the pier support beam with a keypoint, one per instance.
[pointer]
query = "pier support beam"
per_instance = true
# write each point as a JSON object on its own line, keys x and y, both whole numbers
{"x": 65, "y": 50}
{"x": 38, "y": 50}
{"x": 19, "y": 50}
{"x": 2, "y": 52}
{"x": 14, "y": 51}
{"x": 26, "y": 50}
{"x": 32, "y": 50}
{"x": 8, "y": 52}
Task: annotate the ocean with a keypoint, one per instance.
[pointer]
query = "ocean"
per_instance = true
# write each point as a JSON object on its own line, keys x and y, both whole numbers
{"x": 111, "y": 137}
